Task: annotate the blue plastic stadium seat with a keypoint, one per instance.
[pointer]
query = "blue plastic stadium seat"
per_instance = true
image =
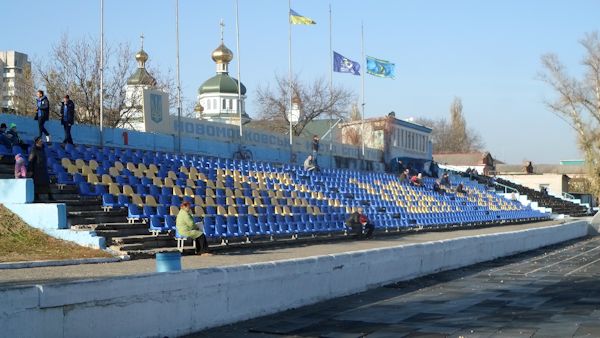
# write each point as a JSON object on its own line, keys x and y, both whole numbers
{"x": 134, "y": 213}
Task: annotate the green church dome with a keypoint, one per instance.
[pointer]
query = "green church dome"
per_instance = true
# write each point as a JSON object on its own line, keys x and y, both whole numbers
{"x": 221, "y": 83}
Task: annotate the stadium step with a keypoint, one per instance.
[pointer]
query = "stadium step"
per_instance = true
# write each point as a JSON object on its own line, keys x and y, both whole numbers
{"x": 96, "y": 217}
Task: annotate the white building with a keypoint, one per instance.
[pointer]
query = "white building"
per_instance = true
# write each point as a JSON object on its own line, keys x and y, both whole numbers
{"x": 218, "y": 96}
{"x": 136, "y": 84}
{"x": 15, "y": 68}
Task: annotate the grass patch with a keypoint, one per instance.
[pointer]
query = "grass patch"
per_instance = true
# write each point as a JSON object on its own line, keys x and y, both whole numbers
{"x": 20, "y": 242}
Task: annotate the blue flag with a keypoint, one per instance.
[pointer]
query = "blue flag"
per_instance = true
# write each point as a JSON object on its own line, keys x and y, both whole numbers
{"x": 380, "y": 68}
{"x": 342, "y": 64}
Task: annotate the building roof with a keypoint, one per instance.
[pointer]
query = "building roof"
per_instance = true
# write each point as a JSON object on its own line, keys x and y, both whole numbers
{"x": 221, "y": 83}
{"x": 397, "y": 121}
{"x": 141, "y": 77}
{"x": 461, "y": 159}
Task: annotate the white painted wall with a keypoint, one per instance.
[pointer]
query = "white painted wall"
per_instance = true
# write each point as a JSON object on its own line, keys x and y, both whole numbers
{"x": 172, "y": 304}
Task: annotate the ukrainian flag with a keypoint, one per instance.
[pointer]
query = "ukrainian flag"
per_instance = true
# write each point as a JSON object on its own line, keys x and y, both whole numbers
{"x": 297, "y": 19}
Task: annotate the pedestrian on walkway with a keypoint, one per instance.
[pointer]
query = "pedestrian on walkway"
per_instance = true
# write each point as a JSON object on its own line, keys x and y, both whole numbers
{"x": 67, "y": 117}
{"x": 42, "y": 114}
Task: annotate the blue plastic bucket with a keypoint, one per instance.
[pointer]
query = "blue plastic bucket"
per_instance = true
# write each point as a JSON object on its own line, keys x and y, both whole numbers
{"x": 168, "y": 261}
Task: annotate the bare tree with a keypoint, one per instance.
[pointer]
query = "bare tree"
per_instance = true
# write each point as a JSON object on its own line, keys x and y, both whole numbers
{"x": 577, "y": 101}
{"x": 314, "y": 99}
{"x": 453, "y": 136}
{"x": 73, "y": 67}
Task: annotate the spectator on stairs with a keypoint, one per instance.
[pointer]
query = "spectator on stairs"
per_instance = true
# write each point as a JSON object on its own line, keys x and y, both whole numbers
{"x": 42, "y": 115}
{"x": 4, "y": 140}
{"x": 38, "y": 170}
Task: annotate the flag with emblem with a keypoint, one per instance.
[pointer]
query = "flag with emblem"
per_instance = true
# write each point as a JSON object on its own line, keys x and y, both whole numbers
{"x": 342, "y": 64}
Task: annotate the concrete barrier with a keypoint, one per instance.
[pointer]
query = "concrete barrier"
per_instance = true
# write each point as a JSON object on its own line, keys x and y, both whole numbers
{"x": 172, "y": 304}
{"x": 17, "y": 195}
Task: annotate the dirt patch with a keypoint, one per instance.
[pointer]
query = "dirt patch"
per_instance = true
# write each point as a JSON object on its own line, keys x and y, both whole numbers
{"x": 20, "y": 242}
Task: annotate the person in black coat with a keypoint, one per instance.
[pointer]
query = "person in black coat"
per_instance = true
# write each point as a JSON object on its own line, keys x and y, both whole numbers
{"x": 43, "y": 113}
{"x": 67, "y": 117}
{"x": 38, "y": 170}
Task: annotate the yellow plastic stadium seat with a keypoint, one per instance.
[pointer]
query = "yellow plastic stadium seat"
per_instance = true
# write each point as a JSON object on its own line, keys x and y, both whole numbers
{"x": 237, "y": 185}
{"x": 229, "y": 192}
{"x": 138, "y": 173}
{"x": 278, "y": 210}
{"x": 316, "y": 210}
{"x": 151, "y": 201}
{"x": 113, "y": 189}
{"x": 119, "y": 166}
{"x": 93, "y": 165}
{"x": 65, "y": 162}
{"x": 136, "y": 199}
{"x": 193, "y": 171}
{"x": 153, "y": 168}
{"x": 210, "y": 184}
{"x": 72, "y": 169}
{"x": 157, "y": 182}
{"x": 210, "y": 192}
{"x": 92, "y": 178}
{"x": 238, "y": 193}
{"x": 150, "y": 174}
{"x": 79, "y": 163}
{"x": 184, "y": 170}
{"x": 210, "y": 201}
{"x": 231, "y": 210}
{"x": 128, "y": 190}
{"x": 220, "y": 185}
{"x": 142, "y": 167}
{"x": 229, "y": 201}
{"x": 85, "y": 170}
{"x": 198, "y": 201}
{"x": 252, "y": 210}
{"x": 106, "y": 179}
{"x": 190, "y": 183}
{"x": 173, "y": 210}
{"x": 112, "y": 171}
{"x": 202, "y": 177}
{"x": 169, "y": 182}
{"x": 177, "y": 191}
{"x": 257, "y": 202}
{"x": 131, "y": 167}
{"x": 287, "y": 211}
{"x": 188, "y": 192}
{"x": 221, "y": 210}
{"x": 248, "y": 201}
{"x": 255, "y": 193}
{"x": 199, "y": 211}
{"x": 171, "y": 174}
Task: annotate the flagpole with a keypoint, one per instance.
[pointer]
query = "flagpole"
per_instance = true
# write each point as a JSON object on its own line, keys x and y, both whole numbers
{"x": 290, "y": 68}
{"x": 362, "y": 124}
{"x": 330, "y": 77}
{"x": 178, "y": 76}
{"x": 239, "y": 82}
{"x": 101, "y": 72}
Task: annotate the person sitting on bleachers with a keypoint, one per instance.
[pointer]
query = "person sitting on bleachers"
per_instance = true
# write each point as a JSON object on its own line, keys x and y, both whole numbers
{"x": 3, "y": 139}
{"x": 404, "y": 176}
{"x": 13, "y": 136}
{"x": 460, "y": 189}
{"x": 445, "y": 181}
{"x": 417, "y": 180}
{"x": 310, "y": 165}
{"x": 187, "y": 228}
{"x": 358, "y": 222}
{"x": 438, "y": 188}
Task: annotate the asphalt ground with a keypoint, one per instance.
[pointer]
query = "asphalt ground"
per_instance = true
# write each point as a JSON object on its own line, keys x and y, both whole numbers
{"x": 550, "y": 292}
{"x": 61, "y": 274}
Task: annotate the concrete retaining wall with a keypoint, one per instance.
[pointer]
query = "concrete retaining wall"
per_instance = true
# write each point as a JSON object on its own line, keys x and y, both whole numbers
{"x": 51, "y": 218}
{"x": 171, "y": 304}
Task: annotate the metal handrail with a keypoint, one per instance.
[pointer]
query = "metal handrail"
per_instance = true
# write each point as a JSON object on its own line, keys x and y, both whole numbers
{"x": 507, "y": 189}
{"x": 569, "y": 196}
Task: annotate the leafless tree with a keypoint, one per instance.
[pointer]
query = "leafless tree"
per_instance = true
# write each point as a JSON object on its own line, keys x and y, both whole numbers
{"x": 73, "y": 67}
{"x": 577, "y": 101}
{"x": 315, "y": 100}
{"x": 24, "y": 98}
{"x": 453, "y": 136}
